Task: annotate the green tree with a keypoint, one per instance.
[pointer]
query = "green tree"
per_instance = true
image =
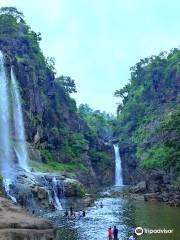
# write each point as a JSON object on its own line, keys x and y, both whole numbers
{"x": 13, "y": 12}
{"x": 67, "y": 83}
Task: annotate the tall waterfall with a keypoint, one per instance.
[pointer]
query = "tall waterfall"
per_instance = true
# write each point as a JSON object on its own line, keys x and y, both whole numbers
{"x": 5, "y": 151}
{"x": 11, "y": 124}
{"x": 20, "y": 147}
{"x": 118, "y": 167}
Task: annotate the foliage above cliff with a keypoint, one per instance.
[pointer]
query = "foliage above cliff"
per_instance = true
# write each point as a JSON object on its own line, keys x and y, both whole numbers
{"x": 99, "y": 122}
{"x": 65, "y": 139}
{"x": 152, "y": 94}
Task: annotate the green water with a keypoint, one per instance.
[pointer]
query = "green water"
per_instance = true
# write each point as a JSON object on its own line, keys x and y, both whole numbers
{"x": 126, "y": 214}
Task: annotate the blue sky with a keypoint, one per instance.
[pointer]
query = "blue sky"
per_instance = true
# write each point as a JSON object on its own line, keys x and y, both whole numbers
{"x": 97, "y": 41}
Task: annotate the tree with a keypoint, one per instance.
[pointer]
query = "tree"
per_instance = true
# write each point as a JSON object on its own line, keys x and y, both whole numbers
{"x": 122, "y": 93}
{"x": 50, "y": 61}
{"x": 85, "y": 109}
{"x": 67, "y": 83}
{"x": 13, "y": 12}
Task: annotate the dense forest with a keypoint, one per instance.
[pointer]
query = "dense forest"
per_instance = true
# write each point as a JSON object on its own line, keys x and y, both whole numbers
{"x": 64, "y": 137}
{"x": 148, "y": 118}
{"x": 59, "y": 137}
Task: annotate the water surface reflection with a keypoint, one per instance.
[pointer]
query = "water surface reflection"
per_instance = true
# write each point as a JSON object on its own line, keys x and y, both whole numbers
{"x": 126, "y": 215}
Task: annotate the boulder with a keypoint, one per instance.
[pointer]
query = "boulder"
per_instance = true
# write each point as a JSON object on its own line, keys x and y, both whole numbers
{"x": 73, "y": 188}
{"x": 40, "y": 192}
{"x": 153, "y": 186}
{"x": 140, "y": 187}
{"x": 150, "y": 197}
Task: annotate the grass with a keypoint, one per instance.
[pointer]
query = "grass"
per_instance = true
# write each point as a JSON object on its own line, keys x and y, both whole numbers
{"x": 57, "y": 167}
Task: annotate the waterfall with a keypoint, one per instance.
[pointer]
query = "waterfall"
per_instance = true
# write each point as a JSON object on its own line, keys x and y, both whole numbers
{"x": 20, "y": 147}
{"x": 118, "y": 167}
{"x": 5, "y": 151}
{"x": 6, "y": 184}
{"x": 11, "y": 123}
{"x": 55, "y": 194}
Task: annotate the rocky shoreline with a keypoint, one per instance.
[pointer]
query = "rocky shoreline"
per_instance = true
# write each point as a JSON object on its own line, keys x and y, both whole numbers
{"x": 17, "y": 223}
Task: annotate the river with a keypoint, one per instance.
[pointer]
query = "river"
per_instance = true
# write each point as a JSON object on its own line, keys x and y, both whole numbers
{"x": 126, "y": 214}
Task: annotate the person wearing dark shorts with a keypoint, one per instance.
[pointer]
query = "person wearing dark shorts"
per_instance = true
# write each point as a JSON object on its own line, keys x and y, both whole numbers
{"x": 115, "y": 233}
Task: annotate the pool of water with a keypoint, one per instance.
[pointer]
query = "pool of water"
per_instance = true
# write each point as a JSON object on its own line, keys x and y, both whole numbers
{"x": 126, "y": 215}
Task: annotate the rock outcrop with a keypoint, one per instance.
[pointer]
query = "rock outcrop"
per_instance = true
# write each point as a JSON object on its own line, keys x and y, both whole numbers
{"x": 16, "y": 223}
{"x": 159, "y": 186}
{"x": 54, "y": 130}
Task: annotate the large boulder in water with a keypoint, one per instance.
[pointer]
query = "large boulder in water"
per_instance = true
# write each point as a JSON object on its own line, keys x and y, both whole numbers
{"x": 73, "y": 188}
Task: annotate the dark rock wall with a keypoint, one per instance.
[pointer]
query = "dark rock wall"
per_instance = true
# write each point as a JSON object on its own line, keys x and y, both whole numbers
{"x": 50, "y": 115}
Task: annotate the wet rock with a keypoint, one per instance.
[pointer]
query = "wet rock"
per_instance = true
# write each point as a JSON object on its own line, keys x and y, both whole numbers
{"x": 105, "y": 194}
{"x": 140, "y": 187}
{"x": 150, "y": 197}
{"x": 73, "y": 188}
{"x": 87, "y": 200}
{"x": 40, "y": 192}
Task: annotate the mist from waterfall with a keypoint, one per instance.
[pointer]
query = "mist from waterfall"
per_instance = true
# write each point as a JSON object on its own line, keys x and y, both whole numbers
{"x": 118, "y": 167}
{"x": 5, "y": 151}
{"x": 20, "y": 146}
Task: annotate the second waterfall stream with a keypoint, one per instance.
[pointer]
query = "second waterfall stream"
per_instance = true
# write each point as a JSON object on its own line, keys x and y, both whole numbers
{"x": 118, "y": 167}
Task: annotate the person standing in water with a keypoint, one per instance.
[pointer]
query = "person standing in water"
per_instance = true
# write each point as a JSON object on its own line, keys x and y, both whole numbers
{"x": 71, "y": 211}
{"x": 83, "y": 213}
{"x": 66, "y": 213}
{"x": 115, "y": 233}
{"x": 110, "y": 233}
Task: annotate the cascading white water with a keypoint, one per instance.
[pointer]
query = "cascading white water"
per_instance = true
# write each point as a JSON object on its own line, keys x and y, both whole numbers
{"x": 20, "y": 147}
{"x": 5, "y": 151}
{"x": 6, "y": 183}
{"x": 118, "y": 167}
{"x": 55, "y": 193}
{"x": 16, "y": 125}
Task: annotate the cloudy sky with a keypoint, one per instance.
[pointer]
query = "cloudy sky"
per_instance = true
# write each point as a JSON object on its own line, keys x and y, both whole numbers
{"x": 97, "y": 41}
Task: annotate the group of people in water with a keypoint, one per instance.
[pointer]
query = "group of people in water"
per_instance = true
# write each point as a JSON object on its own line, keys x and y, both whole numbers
{"x": 74, "y": 215}
{"x": 71, "y": 214}
{"x": 113, "y": 234}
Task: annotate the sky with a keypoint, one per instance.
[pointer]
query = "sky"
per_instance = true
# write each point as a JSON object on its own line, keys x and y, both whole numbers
{"x": 95, "y": 42}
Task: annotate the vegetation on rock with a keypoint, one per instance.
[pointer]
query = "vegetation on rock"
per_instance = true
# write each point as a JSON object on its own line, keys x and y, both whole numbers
{"x": 149, "y": 112}
{"x": 52, "y": 121}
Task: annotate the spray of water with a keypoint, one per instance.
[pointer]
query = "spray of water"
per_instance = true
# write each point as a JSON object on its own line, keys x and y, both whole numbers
{"x": 5, "y": 152}
{"x": 6, "y": 163}
{"x": 55, "y": 190}
{"x": 20, "y": 147}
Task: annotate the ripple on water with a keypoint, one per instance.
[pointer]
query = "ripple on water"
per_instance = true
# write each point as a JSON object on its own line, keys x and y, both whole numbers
{"x": 98, "y": 220}
{"x": 126, "y": 215}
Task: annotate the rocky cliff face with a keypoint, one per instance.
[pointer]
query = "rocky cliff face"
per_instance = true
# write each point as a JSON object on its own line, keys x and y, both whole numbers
{"x": 148, "y": 123}
{"x": 54, "y": 130}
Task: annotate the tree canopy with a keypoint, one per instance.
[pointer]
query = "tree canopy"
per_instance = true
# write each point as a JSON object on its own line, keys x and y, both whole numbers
{"x": 153, "y": 92}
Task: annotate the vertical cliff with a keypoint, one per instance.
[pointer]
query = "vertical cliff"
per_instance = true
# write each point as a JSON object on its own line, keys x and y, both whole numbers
{"x": 59, "y": 139}
{"x": 148, "y": 122}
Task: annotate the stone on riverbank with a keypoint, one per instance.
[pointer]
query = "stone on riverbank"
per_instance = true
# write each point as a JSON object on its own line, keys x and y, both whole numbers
{"x": 16, "y": 223}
